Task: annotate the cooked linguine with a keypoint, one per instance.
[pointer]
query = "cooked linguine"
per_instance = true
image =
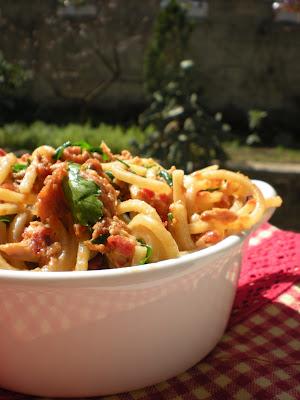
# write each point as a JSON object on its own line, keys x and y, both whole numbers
{"x": 81, "y": 207}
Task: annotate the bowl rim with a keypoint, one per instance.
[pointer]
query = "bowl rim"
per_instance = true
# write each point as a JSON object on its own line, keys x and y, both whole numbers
{"x": 161, "y": 267}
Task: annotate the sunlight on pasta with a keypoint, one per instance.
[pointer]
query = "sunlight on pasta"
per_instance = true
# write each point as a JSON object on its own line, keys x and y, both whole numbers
{"x": 80, "y": 207}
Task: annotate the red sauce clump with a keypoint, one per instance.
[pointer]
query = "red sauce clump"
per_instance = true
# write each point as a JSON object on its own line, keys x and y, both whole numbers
{"x": 120, "y": 250}
{"x": 161, "y": 202}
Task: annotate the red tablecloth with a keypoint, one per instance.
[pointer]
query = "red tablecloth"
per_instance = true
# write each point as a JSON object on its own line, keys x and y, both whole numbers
{"x": 259, "y": 355}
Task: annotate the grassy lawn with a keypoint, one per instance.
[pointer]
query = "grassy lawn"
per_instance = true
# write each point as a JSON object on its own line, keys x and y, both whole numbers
{"x": 240, "y": 153}
{"x": 26, "y": 137}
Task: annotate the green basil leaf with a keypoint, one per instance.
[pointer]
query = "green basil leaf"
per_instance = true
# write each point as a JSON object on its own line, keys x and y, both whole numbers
{"x": 19, "y": 167}
{"x": 166, "y": 176}
{"x": 59, "y": 151}
{"x": 101, "y": 239}
{"x": 83, "y": 145}
{"x": 86, "y": 146}
{"x": 82, "y": 197}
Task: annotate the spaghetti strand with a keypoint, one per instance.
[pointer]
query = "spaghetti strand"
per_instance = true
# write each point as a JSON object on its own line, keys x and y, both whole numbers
{"x": 81, "y": 207}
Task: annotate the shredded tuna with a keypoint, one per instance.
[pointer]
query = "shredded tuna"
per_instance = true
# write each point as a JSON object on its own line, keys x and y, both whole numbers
{"x": 120, "y": 250}
{"x": 219, "y": 214}
{"x": 225, "y": 202}
{"x": 125, "y": 155}
{"x": 95, "y": 165}
{"x": 119, "y": 246}
{"x": 44, "y": 168}
{"x": 81, "y": 231}
{"x": 106, "y": 150}
{"x": 208, "y": 238}
{"x": 98, "y": 262}
{"x": 50, "y": 201}
{"x": 75, "y": 154}
{"x": 38, "y": 244}
{"x": 10, "y": 186}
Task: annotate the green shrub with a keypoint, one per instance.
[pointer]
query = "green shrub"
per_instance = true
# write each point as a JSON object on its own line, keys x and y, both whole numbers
{"x": 255, "y": 119}
{"x": 12, "y": 79}
{"x": 185, "y": 134}
{"x": 27, "y": 137}
{"x": 167, "y": 47}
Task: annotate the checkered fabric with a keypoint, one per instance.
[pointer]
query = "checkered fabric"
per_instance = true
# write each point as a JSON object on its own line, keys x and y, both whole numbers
{"x": 271, "y": 265}
{"x": 258, "y": 357}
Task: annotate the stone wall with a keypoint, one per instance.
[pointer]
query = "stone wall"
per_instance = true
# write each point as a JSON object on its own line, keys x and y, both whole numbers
{"x": 245, "y": 59}
{"x": 91, "y": 57}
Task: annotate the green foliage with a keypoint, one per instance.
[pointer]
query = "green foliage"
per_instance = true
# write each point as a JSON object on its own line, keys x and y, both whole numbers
{"x": 255, "y": 119}
{"x": 167, "y": 47}
{"x": 185, "y": 134}
{"x": 28, "y": 137}
{"x": 75, "y": 3}
{"x": 12, "y": 78}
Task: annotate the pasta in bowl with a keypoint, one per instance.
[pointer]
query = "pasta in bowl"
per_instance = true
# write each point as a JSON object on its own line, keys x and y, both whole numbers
{"x": 81, "y": 207}
{"x": 150, "y": 304}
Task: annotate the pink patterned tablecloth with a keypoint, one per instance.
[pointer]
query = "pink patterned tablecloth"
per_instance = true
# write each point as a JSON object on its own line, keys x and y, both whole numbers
{"x": 259, "y": 355}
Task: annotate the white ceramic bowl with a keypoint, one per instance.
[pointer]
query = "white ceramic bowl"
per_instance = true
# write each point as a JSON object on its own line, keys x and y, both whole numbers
{"x": 72, "y": 334}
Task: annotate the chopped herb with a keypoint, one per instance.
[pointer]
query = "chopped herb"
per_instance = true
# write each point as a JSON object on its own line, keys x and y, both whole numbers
{"x": 82, "y": 197}
{"x": 149, "y": 252}
{"x": 59, "y": 151}
{"x": 123, "y": 162}
{"x": 170, "y": 216}
{"x": 127, "y": 166}
{"x": 105, "y": 157}
{"x": 83, "y": 145}
{"x": 92, "y": 149}
{"x": 86, "y": 146}
{"x": 6, "y": 218}
{"x": 110, "y": 175}
{"x": 210, "y": 189}
{"x": 19, "y": 167}
{"x": 166, "y": 176}
{"x": 100, "y": 239}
